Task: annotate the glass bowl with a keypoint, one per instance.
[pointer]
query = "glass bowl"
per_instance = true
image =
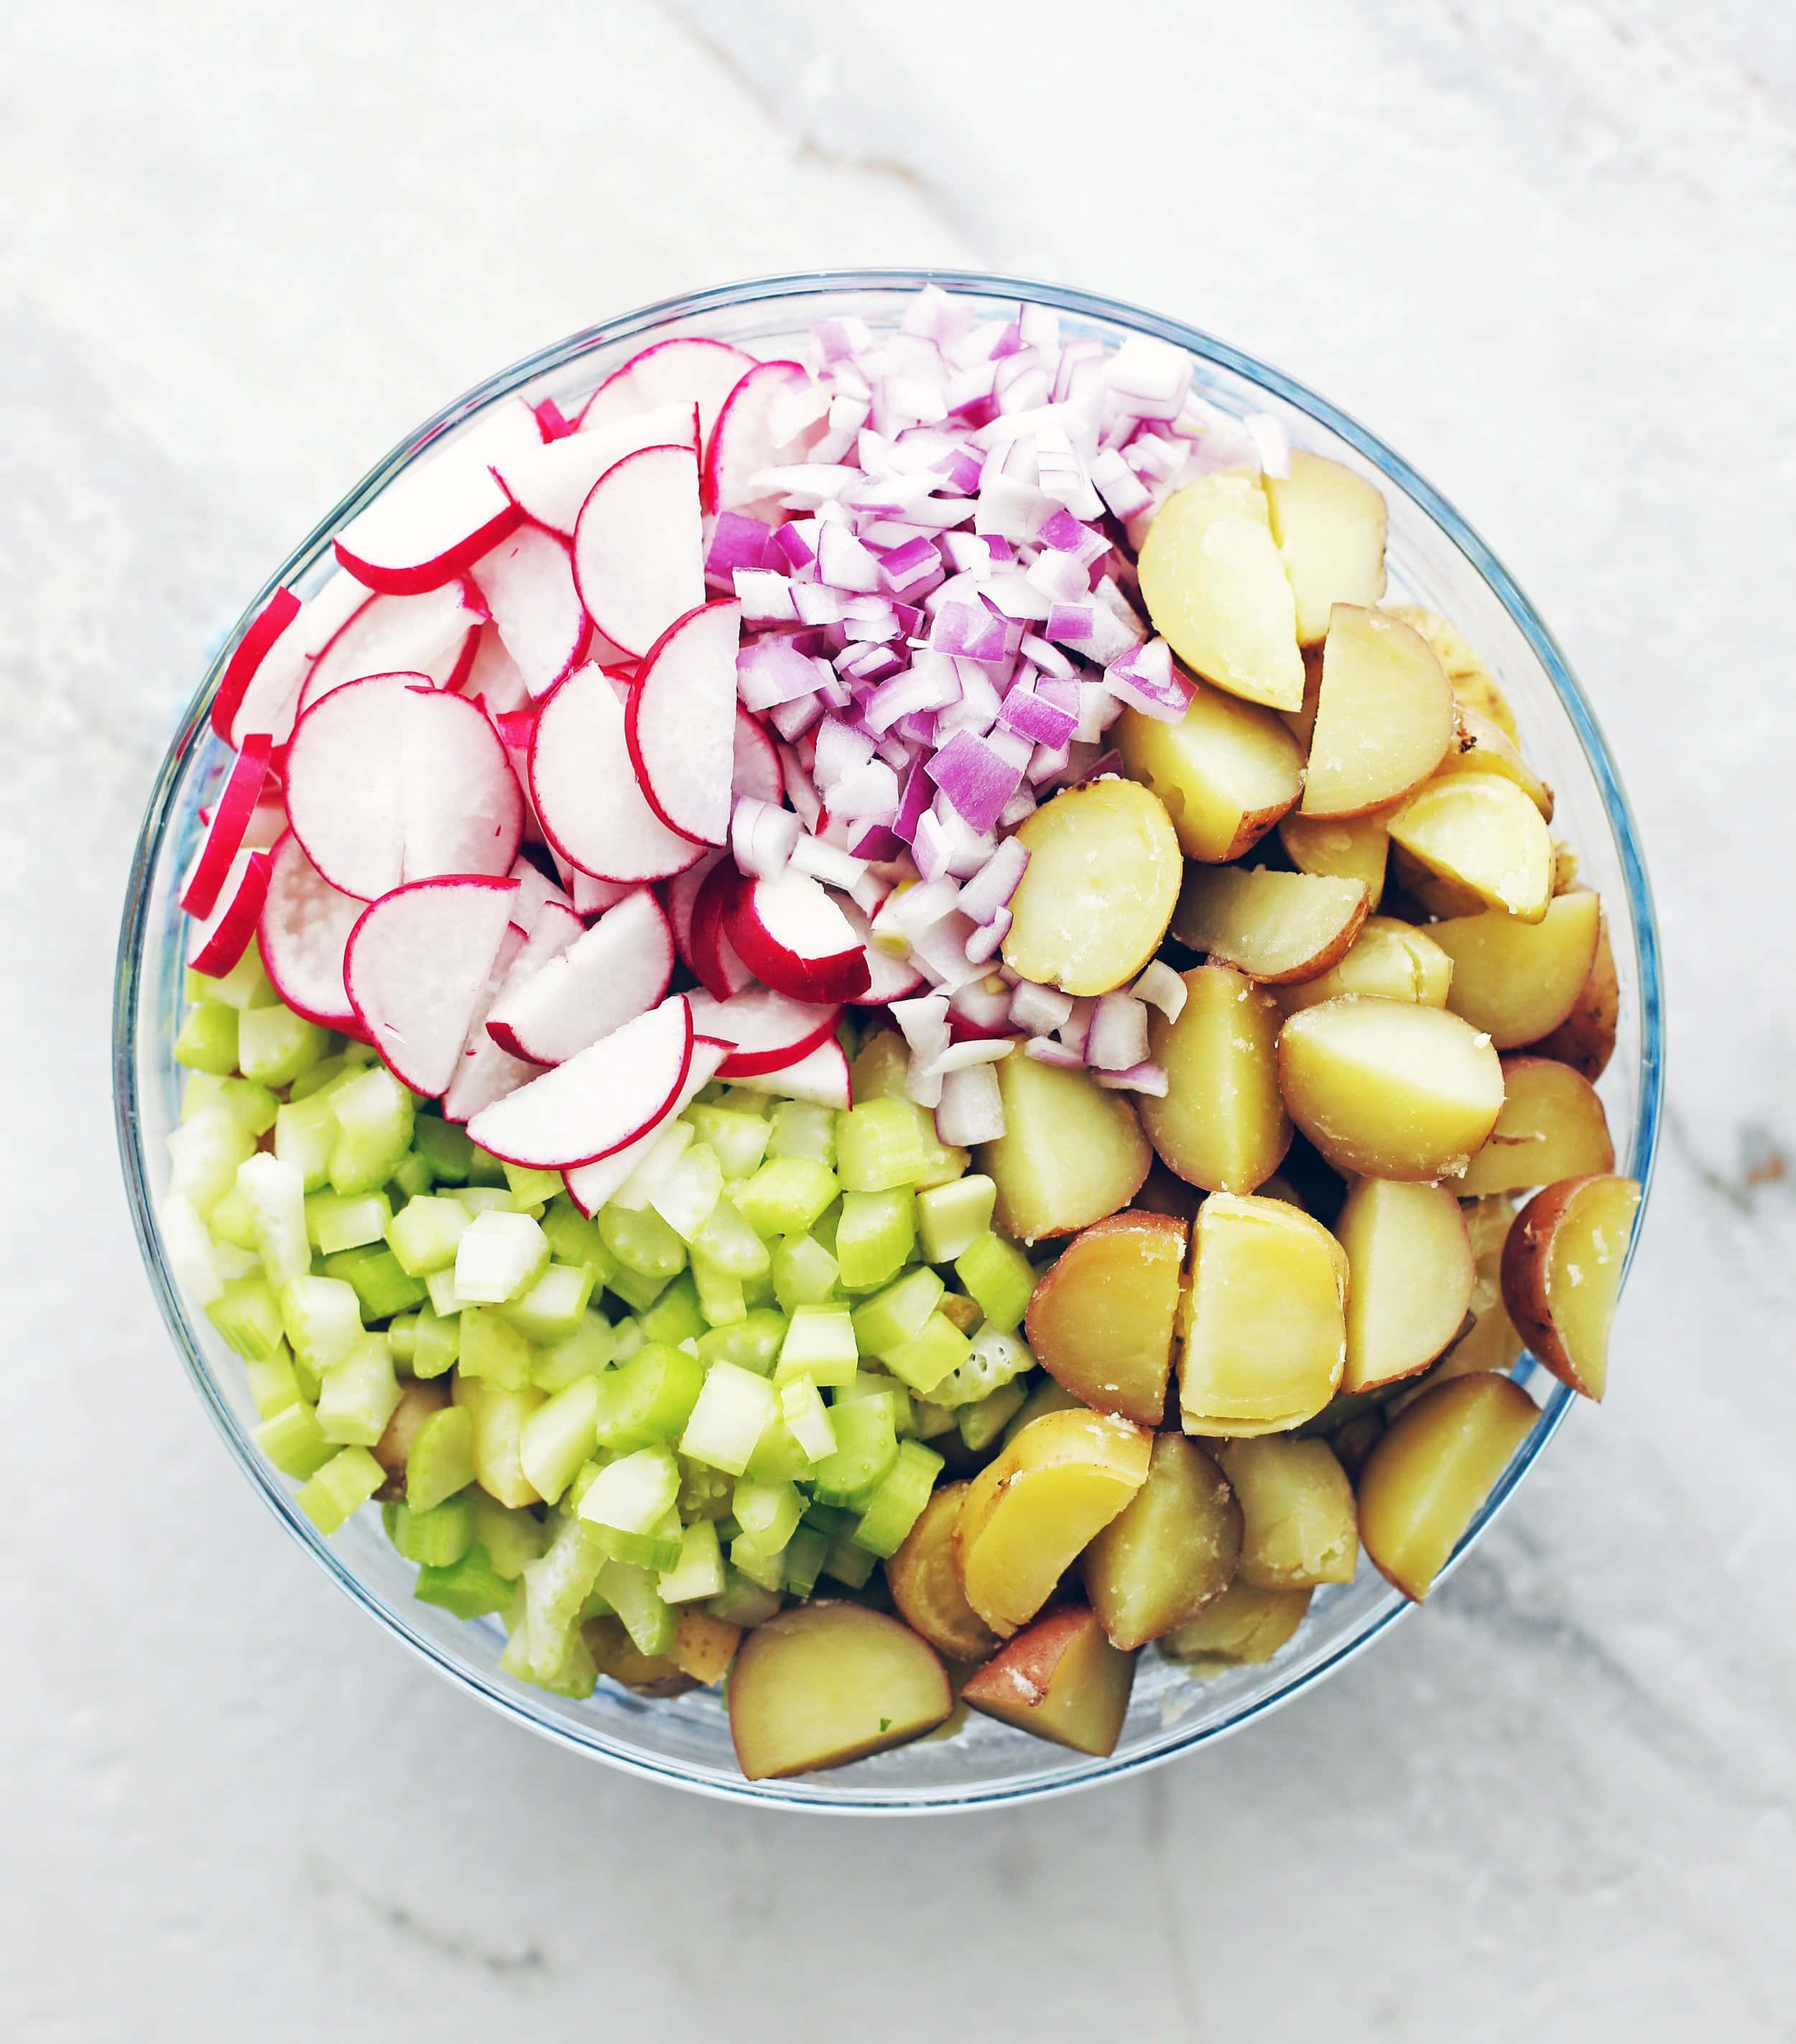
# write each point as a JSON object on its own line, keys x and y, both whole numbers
{"x": 1435, "y": 559}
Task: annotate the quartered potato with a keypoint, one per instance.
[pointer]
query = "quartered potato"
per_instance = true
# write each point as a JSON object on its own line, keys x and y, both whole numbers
{"x": 925, "y": 1585}
{"x": 1586, "y": 1039}
{"x": 1299, "y": 1526}
{"x": 1552, "y": 1126}
{"x": 1490, "y": 1341}
{"x": 1562, "y": 1274}
{"x": 1330, "y": 526}
{"x": 1384, "y": 718}
{"x": 1340, "y": 848}
{"x": 1227, "y": 772}
{"x": 1221, "y": 1124}
{"x": 1481, "y": 832}
{"x": 1070, "y": 1153}
{"x": 1393, "y": 960}
{"x": 1171, "y": 1549}
{"x": 1482, "y": 746}
{"x": 1474, "y": 686}
{"x": 1062, "y": 1680}
{"x": 1273, "y": 926}
{"x": 1243, "y": 1627}
{"x": 1410, "y": 1277}
{"x": 1101, "y": 1319}
{"x": 1518, "y": 982}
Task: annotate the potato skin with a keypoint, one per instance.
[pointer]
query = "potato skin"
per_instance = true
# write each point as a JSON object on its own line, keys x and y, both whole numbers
{"x": 1586, "y": 1039}
{"x": 1060, "y": 1680}
{"x": 1527, "y": 1254}
{"x": 926, "y": 1586}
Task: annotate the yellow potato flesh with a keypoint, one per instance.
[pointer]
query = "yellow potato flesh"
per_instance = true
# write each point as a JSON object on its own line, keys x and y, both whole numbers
{"x": 704, "y": 1647}
{"x": 1586, "y": 1039}
{"x": 1273, "y": 926}
{"x": 1330, "y": 526}
{"x": 925, "y": 1585}
{"x": 1388, "y": 1089}
{"x": 1244, "y": 1626}
{"x": 1480, "y": 746}
{"x": 1481, "y": 832}
{"x": 826, "y": 1683}
{"x": 1103, "y": 876}
{"x": 1491, "y": 1341}
{"x": 1473, "y": 685}
{"x": 1062, "y": 1680}
{"x": 1227, "y": 772}
{"x": 1264, "y": 1325}
{"x": 1101, "y": 1319}
{"x": 1562, "y": 1274}
{"x": 1341, "y": 848}
{"x": 1217, "y": 591}
{"x": 1028, "y": 1515}
{"x": 1430, "y": 1473}
{"x": 1221, "y": 1123}
{"x": 1410, "y": 1277}
{"x": 1552, "y": 1126}
{"x": 1392, "y": 960}
{"x": 1070, "y": 1153}
{"x": 1384, "y": 719}
{"x": 1169, "y": 1551}
{"x": 1516, "y": 981}
{"x": 1299, "y": 1526}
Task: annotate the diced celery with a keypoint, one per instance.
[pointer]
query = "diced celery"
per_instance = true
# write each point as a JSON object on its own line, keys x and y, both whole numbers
{"x": 358, "y": 1394}
{"x": 807, "y": 1418}
{"x": 206, "y": 1153}
{"x": 803, "y": 1128}
{"x": 742, "y": 1602}
{"x": 291, "y": 1441}
{"x": 944, "y": 1164}
{"x": 879, "y": 1072}
{"x": 819, "y": 1344}
{"x": 699, "y": 1571}
{"x": 998, "y": 1274}
{"x": 444, "y": 1299}
{"x": 658, "y": 1162}
{"x": 340, "y": 1488}
{"x": 334, "y": 1223}
{"x": 675, "y": 1317}
{"x": 751, "y": 1342}
{"x": 761, "y": 1565}
{"x": 895, "y": 1507}
{"x": 962, "y": 1311}
{"x": 375, "y": 1121}
{"x": 899, "y": 1314}
{"x": 554, "y": 1589}
{"x": 848, "y": 1563}
{"x": 199, "y": 1091}
{"x": 589, "y": 1351}
{"x": 192, "y": 1256}
{"x": 247, "y": 1315}
{"x": 627, "y": 1337}
{"x": 566, "y": 1669}
{"x": 632, "y": 1594}
{"x": 739, "y": 1140}
{"x": 208, "y": 1039}
{"x": 511, "y": 1538}
{"x": 402, "y": 1338}
{"x": 500, "y": 1257}
{"x": 879, "y": 1145}
{"x": 531, "y": 1188}
{"x": 492, "y": 1348}
{"x": 982, "y": 1424}
{"x": 411, "y": 1179}
{"x": 559, "y": 1436}
{"x": 874, "y": 1383}
{"x": 657, "y": 1548}
{"x": 245, "y": 985}
{"x": 469, "y": 1587}
{"x": 498, "y": 1417}
{"x": 805, "y": 1273}
{"x": 734, "y": 1408}
{"x": 729, "y": 1246}
{"x": 253, "y": 1105}
{"x": 272, "y": 1383}
{"x": 721, "y": 1298}
{"x": 866, "y": 1447}
{"x": 381, "y": 1286}
{"x": 314, "y": 1083}
{"x": 274, "y": 1045}
{"x": 928, "y": 1419}
{"x": 923, "y": 1361}
{"x": 436, "y": 1341}
{"x": 874, "y": 1237}
{"x": 684, "y": 1199}
{"x": 440, "y": 1461}
{"x": 650, "y": 1399}
{"x": 768, "y": 1513}
{"x": 554, "y": 1307}
{"x": 642, "y": 1242}
{"x": 805, "y": 1555}
{"x": 485, "y": 1169}
{"x": 740, "y": 1100}
{"x": 305, "y": 1133}
{"x": 574, "y": 1239}
{"x": 787, "y": 1196}
{"x": 322, "y": 1317}
{"x": 475, "y": 1200}
{"x": 994, "y": 1359}
{"x": 438, "y": 1537}
{"x": 637, "y": 1291}
{"x": 426, "y": 1232}
{"x": 951, "y": 1218}
{"x": 777, "y": 1456}
{"x": 445, "y": 1147}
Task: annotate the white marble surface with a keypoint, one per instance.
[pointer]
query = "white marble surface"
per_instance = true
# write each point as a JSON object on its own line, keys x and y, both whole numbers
{"x": 1542, "y": 246}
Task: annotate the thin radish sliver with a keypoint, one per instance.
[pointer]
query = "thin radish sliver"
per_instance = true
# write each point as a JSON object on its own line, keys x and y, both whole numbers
{"x": 416, "y": 967}
{"x": 528, "y": 583}
{"x": 680, "y": 722}
{"x": 590, "y": 1186}
{"x": 687, "y": 370}
{"x": 427, "y": 635}
{"x": 494, "y": 680}
{"x": 767, "y": 1030}
{"x": 609, "y": 974}
{"x": 486, "y": 1072}
{"x": 791, "y": 935}
{"x": 231, "y": 817}
{"x": 261, "y": 687}
{"x": 304, "y": 932}
{"x": 551, "y": 482}
{"x": 821, "y": 1076}
{"x": 744, "y": 443}
{"x": 221, "y": 939}
{"x": 638, "y": 547}
{"x": 679, "y": 895}
{"x": 267, "y": 629}
{"x": 428, "y": 524}
{"x": 757, "y": 770}
{"x": 889, "y": 978}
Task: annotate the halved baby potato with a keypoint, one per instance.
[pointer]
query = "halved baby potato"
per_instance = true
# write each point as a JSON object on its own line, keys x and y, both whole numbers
{"x": 1299, "y": 1526}
{"x": 1216, "y": 589}
{"x": 1221, "y": 1123}
{"x": 1227, "y": 772}
{"x": 1101, "y": 1319}
{"x": 1263, "y": 1325}
{"x": 1062, "y": 1680}
{"x": 1517, "y": 981}
{"x": 1273, "y": 926}
{"x": 1384, "y": 719}
{"x": 1562, "y": 1274}
{"x": 1410, "y": 1277}
{"x": 1552, "y": 1126}
{"x": 1171, "y": 1549}
{"x": 925, "y": 1585}
{"x": 1427, "y": 1477}
{"x": 1411, "y": 882}
{"x": 1330, "y": 526}
{"x": 1481, "y": 746}
{"x": 1243, "y": 1627}
{"x": 1340, "y": 847}
{"x": 1103, "y": 876}
{"x": 704, "y": 1646}
{"x": 1481, "y": 832}
{"x": 1389, "y": 1088}
{"x": 1586, "y": 1039}
{"x": 1473, "y": 684}
{"x": 1393, "y": 960}
{"x": 1070, "y": 1153}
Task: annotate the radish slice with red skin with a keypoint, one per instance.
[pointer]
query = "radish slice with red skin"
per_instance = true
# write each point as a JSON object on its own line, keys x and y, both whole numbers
{"x": 494, "y": 680}
{"x": 638, "y": 547}
{"x": 487, "y": 1073}
{"x": 743, "y": 444}
{"x": 534, "y": 894}
{"x": 551, "y": 482}
{"x": 592, "y": 811}
{"x": 229, "y": 827}
{"x": 766, "y": 1030}
{"x": 889, "y": 978}
{"x": 686, "y": 371}
{"x": 714, "y": 958}
{"x": 590, "y": 1186}
{"x": 680, "y": 722}
{"x": 678, "y": 896}
{"x": 263, "y": 694}
{"x": 599, "y": 1099}
{"x": 463, "y": 807}
{"x": 221, "y": 939}
{"x": 528, "y": 583}
{"x": 304, "y": 931}
{"x": 822, "y": 1076}
{"x": 791, "y": 935}
{"x": 610, "y": 974}
{"x": 432, "y": 635}
{"x": 266, "y": 630}
{"x": 757, "y": 770}
{"x": 416, "y": 967}
{"x": 591, "y": 897}
{"x": 428, "y": 524}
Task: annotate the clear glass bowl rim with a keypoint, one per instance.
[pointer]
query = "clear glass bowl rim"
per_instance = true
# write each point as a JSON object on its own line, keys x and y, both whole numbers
{"x": 759, "y": 290}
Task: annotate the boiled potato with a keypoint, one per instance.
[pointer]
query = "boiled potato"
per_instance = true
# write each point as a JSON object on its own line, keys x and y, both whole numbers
{"x": 1163, "y": 1193}
{"x": 925, "y": 1585}
{"x": 826, "y": 1683}
{"x": 704, "y": 1646}
{"x": 1552, "y": 1126}
{"x": 1028, "y": 1515}
{"x": 615, "y": 1654}
{"x": 1481, "y": 832}
{"x": 1438, "y": 1460}
{"x": 418, "y": 1402}
{"x": 1388, "y": 1089}
{"x": 1340, "y": 848}
{"x": 1221, "y": 1124}
{"x": 1103, "y": 876}
{"x": 1517, "y": 981}
{"x": 1330, "y": 527}
{"x": 1218, "y": 593}
{"x": 1101, "y": 1319}
{"x": 1411, "y": 882}
{"x": 1070, "y": 1153}
{"x": 1482, "y": 746}
{"x": 1410, "y": 1278}
{"x": 1273, "y": 926}
{"x": 1393, "y": 960}
{"x": 1062, "y": 1680}
{"x": 1300, "y": 1528}
{"x": 1171, "y": 1549}
{"x": 1264, "y": 1325}
{"x": 1586, "y": 1039}
{"x": 1384, "y": 719}
{"x": 1301, "y": 722}
{"x": 1244, "y": 1626}
{"x": 1474, "y": 687}
{"x": 1562, "y": 1274}
{"x": 1227, "y": 772}
{"x": 1047, "y": 1397}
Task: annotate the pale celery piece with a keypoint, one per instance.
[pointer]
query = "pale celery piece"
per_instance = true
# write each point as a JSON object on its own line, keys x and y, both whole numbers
{"x": 994, "y": 1358}
{"x": 359, "y": 1393}
{"x": 633, "y": 1593}
{"x": 982, "y": 1424}
{"x": 492, "y": 1348}
{"x": 899, "y": 1314}
{"x": 205, "y": 1154}
{"x": 819, "y": 1344}
{"x": 426, "y": 1232}
{"x": 721, "y": 1296}
{"x": 739, "y": 1140}
{"x": 802, "y": 1128}
{"x": 436, "y": 1341}
{"x": 807, "y": 1418}
{"x": 322, "y": 1318}
{"x": 208, "y": 1039}
{"x": 642, "y": 1242}
{"x": 686, "y": 1196}
{"x": 274, "y": 1046}
{"x": 589, "y": 1351}
{"x": 997, "y": 1275}
{"x": 554, "y": 1307}
{"x": 759, "y": 1564}
{"x": 247, "y": 984}
{"x": 729, "y": 1246}
{"x": 374, "y": 1114}
{"x": 475, "y": 1200}
{"x": 411, "y": 1178}
{"x": 753, "y": 1342}
{"x": 699, "y": 1571}
{"x": 678, "y": 1315}
{"x": 804, "y": 1273}
{"x": 436, "y": 1538}
{"x": 951, "y": 1218}
{"x": 500, "y": 1258}
{"x": 931, "y": 1354}
{"x": 246, "y": 1314}
{"x": 333, "y": 1223}
{"x": 439, "y": 1461}
{"x": 658, "y": 1162}
{"x": 274, "y": 1192}
{"x": 734, "y": 1407}
{"x": 273, "y": 1385}
{"x": 305, "y": 1133}
{"x": 192, "y": 1254}
{"x": 559, "y": 1436}
{"x": 787, "y": 1196}
{"x": 866, "y": 1447}
{"x": 340, "y": 1488}
{"x": 767, "y": 1512}
{"x": 895, "y": 1507}
{"x": 439, "y": 1288}
{"x": 531, "y": 1188}
{"x": 291, "y": 1441}
{"x": 512, "y": 1539}
{"x": 574, "y": 1239}
{"x": 874, "y": 1237}
{"x": 382, "y": 1287}
{"x": 880, "y": 1146}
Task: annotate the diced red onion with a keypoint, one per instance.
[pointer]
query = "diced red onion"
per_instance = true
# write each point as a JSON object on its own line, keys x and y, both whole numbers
{"x": 977, "y": 780}
{"x": 1271, "y": 442}
{"x": 996, "y": 881}
{"x": 843, "y": 563}
{"x": 1147, "y": 680}
{"x": 1039, "y": 1009}
{"x": 981, "y": 1007}
{"x": 1080, "y": 623}
{"x": 736, "y": 542}
{"x": 1044, "y": 1051}
{"x": 983, "y": 946}
{"x": 840, "y": 749}
{"x": 971, "y": 1050}
{"x": 968, "y": 632}
{"x": 971, "y": 1109}
{"x": 827, "y": 863}
{"x": 799, "y": 786}
{"x": 791, "y": 719}
{"x": 1144, "y": 1078}
{"x": 867, "y": 793}
{"x": 769, "y": 672}
{"x": 766, "y": 598}
{"x": 1077, "y": 1028}
{"x": 1021, "y": 806}
{"x": 1161, "y": 987}
{"x": 1118, "y": 1033}
{"x": 1046, "y": 762}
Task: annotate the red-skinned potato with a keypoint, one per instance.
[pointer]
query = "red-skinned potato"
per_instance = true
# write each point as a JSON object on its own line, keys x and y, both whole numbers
{"x": 1170, "y": 1550}
{"x": 1270, "y": 925}
{"x": 1586, "y": 1039}
{"x": 1062, "y": 1680}
{"x": 1562, "y": 1274}
{"x": 1519, "y": 981}
{"x": 1552, "y": 1127}
{"x": 1409, "y": 1282}
{"x": 925, "y": 1585}
{"x": 1221, "y": 1124}
{"x": 1242, "y": 1628}
{"x": 1070, "y": 1152}
{"x": 1101, "y": 1319}
{"x": 1384, "y": 719}
{"x": 1227, "y": 772}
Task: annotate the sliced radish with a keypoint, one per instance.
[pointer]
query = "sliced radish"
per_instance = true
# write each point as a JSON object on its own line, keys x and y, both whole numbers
{"x": 428, "y": 524}
{"x": 486, "y": 1074}
{"x": 304, "y": 932}
{"x": 639, "y": 547}
{"x": 680, "y": 722}
{"x": 590, "y": 1186}
{"x": 585, "y": 788}
{"x": 767, "y": 1030}
{"x": 229, "y": 826}
{"x": 221, "y": 939}
{"x": 388, "y": 782}
{"x": 598, "y": 1101}
{"x": 431, "y": 635}
{"x": 744, "y": 443}
{"x": 267, "y": 822}
{"x": 494, "y": 680}
{"x": 823, "y": 1077}
{"x": 686, "y": 371}
{"x": 757, "y": 771}
{"x": 266, "y": 630}
{"x": 720, "y": 971}
{"x": 610, "y": 974}
{"x": 591, "y": 897}
{"x": 416, "y": 967}
{"x": 678, "y": 896}
{"x": 551, "y": 482}
{"x": 534, "y": 894}
{"x": 260, "y": 689}
{"x": 528, "y": 583}
{"x": 793, "y": 936}
{"x": 889, "y": 978}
